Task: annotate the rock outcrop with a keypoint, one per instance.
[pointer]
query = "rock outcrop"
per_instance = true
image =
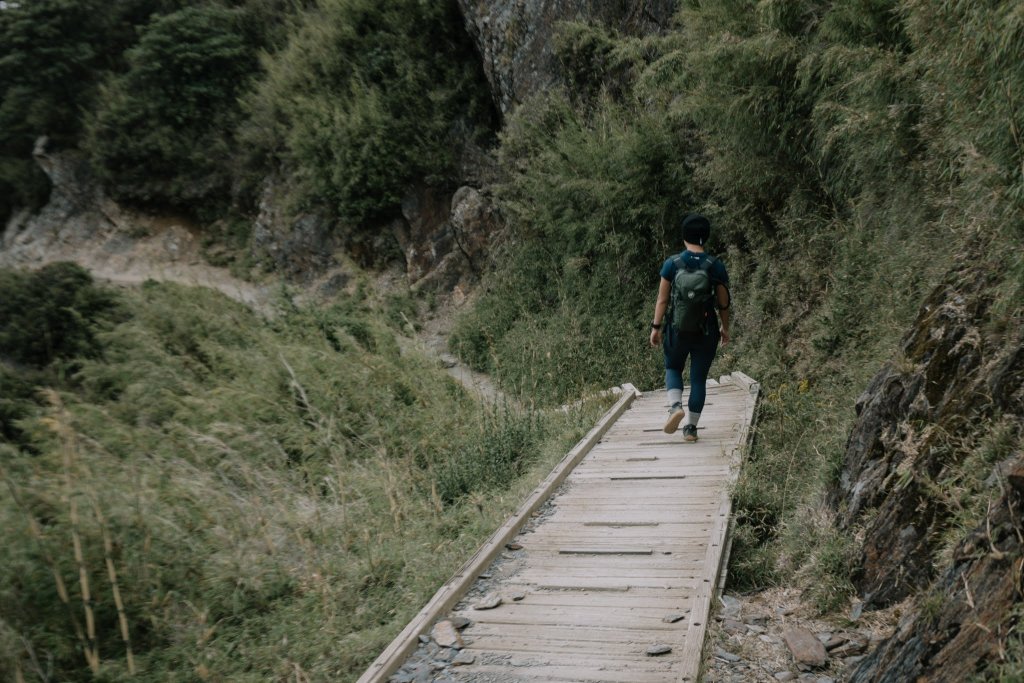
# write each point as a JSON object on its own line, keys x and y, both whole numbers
{"x": 77, "y": 208}
{"x": 960, "y": 630}
{"x": 514, "y": 37}
{"x": 445, "y": 240}
{"x": 960, "y": 379}
{"x": 956, "y": 372}
{"x": 440, "y": 242}
{"x": 300, "y": 247}
{"x": 80, "y": 223}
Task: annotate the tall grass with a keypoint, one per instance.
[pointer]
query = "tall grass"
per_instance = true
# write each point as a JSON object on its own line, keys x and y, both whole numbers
{"x": 222, "y": 497}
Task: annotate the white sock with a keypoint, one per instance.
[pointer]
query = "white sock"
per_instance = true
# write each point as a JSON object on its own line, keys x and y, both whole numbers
{"x": 675, "y": 396}
{"x": 692, "y": 418}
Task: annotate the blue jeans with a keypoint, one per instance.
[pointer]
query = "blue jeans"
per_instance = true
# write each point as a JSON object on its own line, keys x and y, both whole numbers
{"x": 701, "y": 350}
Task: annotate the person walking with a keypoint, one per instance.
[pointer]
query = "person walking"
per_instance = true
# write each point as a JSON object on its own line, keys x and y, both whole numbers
{"x": 691, "y": 318}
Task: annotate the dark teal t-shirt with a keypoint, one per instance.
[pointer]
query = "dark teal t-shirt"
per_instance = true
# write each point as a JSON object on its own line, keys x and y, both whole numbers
{"x": 693, "y": 260}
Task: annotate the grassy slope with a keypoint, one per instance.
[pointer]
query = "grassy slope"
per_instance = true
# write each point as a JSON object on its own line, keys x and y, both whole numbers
{"x": 280, "y": 496}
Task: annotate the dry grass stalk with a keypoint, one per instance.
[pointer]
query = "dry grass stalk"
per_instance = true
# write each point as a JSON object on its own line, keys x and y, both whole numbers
{"x": 312, "y": 415}
{"x": 122, "y": 617}
{"x": 108, "y": 552}
{"x": 391, "y": 489}
{"x": 58, "y": 580}
{"x": 435, "y": 498}
{"x": 59, "y": 424}
{"x": 36, "y": 667}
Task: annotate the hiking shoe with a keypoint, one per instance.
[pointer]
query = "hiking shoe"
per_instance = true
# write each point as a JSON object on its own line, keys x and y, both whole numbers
{"x": 689, "y": 432}
{"x": 675, "y": 416}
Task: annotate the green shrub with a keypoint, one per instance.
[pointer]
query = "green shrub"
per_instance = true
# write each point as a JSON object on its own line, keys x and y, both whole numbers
{"x": 53, "y": 56}
{"x": 51, "y": 314}
{"x": 491, "y": 459}
{"x": 367, "y": 98}
{"x": 49, "y": 51}
{"x": 162, "y": 133}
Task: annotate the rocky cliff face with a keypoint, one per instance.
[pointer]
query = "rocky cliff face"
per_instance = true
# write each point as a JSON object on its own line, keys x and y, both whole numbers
{"x": 960, "y": 379}
{"x": 962, "y": 628}
{"x": 514, "y": 37}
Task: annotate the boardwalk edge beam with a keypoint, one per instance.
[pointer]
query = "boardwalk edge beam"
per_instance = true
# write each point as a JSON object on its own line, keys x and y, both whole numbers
{"x": 395, "y": 654}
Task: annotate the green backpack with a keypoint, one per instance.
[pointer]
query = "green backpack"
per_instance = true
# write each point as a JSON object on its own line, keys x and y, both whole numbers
{"x": 692, "y": 289}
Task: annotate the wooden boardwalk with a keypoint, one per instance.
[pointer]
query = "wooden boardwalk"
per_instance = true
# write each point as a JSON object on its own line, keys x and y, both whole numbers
{"x": 622, "y": 549}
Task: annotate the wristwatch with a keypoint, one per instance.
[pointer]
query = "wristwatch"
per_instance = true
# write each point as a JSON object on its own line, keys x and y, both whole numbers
{"x": 655, "y": 326}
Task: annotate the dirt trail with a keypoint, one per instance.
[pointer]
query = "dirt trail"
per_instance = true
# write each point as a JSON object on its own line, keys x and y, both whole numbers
{"x": 432, "y": 339}
{"x": 170, "y": 252}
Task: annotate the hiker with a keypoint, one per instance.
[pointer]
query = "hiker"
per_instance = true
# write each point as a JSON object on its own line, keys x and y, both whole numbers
{"x": 690, "y": 329}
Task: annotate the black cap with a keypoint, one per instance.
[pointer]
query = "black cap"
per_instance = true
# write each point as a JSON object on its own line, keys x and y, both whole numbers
{"x": 696, "y": 229}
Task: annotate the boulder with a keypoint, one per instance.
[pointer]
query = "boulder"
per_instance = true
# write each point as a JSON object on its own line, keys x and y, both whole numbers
{"x": 446, "y": 240}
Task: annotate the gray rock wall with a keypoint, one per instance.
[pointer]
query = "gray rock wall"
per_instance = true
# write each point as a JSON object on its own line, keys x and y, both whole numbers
{"x": 514, "y": 37}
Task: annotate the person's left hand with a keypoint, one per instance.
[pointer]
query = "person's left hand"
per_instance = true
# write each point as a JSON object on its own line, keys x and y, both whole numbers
{"x": 655, "y": 337}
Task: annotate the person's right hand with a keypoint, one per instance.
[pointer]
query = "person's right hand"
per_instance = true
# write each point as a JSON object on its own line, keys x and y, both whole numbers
{"x": 725, "y": 336}
{"x": 655, "y": 337}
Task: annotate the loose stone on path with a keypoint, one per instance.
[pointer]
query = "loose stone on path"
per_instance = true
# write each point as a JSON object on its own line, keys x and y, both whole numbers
{"x": 445, "y": 635}
{"x": 805, "y": 646}
{"x": 488, "y": 602}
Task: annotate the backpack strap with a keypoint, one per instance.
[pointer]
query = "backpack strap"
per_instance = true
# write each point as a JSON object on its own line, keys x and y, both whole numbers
{"x": 707, "y": 265}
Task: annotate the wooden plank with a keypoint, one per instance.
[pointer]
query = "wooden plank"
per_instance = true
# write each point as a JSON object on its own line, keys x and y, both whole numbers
{"x": 610, "y": 583}
{"x": 624, "y": 650}
{"x": 578, "y": 625}
{"x": 638, "y": 592}
{"x": 745, "y": 443}
{"x": 683, "y": 566}
{"x": 644, "y": 542}
{"x": 599, "y": 526}
{"x": 680, "y": 524}
{"x": 637, "y": 598}
{"x": 642, "y": 458}
{"x": 557, "y": 627}
{"x": 623, "y": 537}
{"x": 604, "y": 502}
{"x": 749, "y": 384}
{"x": 709, "y": 586}
{"x": 654, "y": 577}
{"x": 618, "y": 663}
{"x": 590, "y": 550}
{"x": 599, "y": 488}
{"x": 407, "y": 641}
{"x": 576, "y": 673}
